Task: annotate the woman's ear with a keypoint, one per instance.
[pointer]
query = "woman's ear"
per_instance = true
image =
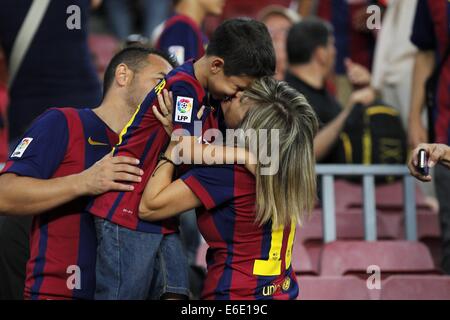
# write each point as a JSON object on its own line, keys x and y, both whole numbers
{"x": 217, "y": 65}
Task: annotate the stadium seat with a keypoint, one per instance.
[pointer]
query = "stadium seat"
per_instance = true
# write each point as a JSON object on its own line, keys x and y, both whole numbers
{"x": 103, "y": 48}
{"x": 388, "y": 196}
{"x": 350, "y": 226}
{"x": 428, "y": 224}
{"x": 332, "y": 288}
{"x": 301, "y": 260}
{"x": 416, "y": 288}
{"x": 346, "y": 195}
{"x": 393, "y": 257}
{"x": 391, "y": 196}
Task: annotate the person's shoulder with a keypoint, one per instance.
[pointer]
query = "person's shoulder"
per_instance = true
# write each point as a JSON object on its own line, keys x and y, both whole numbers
{"x": 214, "y": 171}
{"x": 184, "y": 77}
{"x": 229, "y": 171}
{"x": 180, "y": 21}
{"x": 185, "y": 70}
{"x": 51, "y": 117}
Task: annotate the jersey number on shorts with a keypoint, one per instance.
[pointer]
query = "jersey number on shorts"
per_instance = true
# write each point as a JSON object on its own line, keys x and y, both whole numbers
{"x": 272, "y": 266}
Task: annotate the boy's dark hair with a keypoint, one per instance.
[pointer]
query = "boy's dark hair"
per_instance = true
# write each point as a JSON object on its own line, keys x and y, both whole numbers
{"x": 135, "y": 57}
{"x": 305, "y": 37}
{"x": 245, "y": 46}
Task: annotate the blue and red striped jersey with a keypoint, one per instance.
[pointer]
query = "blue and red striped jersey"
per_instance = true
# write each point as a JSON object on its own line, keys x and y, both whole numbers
{"x": 63, "y": 242}
{"x": 144, "y": 138}
{"x": 183, "y": 38}
{"x": 244, "y": 260}
{"x": 3, "y": 127}
{"x": 350, "y": 43}
{"x": 431, "y": 31}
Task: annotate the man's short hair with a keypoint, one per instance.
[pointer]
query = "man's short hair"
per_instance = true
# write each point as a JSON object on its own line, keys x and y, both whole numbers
{"x": 305, "y": 37}
{"x": 246, "y": 47}
{"x": 135, "y": 57}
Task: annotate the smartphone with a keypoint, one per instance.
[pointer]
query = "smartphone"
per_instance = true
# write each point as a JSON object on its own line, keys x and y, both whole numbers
{"x": 422, "y": 165}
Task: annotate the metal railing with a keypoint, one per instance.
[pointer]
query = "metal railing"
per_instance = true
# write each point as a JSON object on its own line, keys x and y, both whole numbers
{"x": 328, "y": 173}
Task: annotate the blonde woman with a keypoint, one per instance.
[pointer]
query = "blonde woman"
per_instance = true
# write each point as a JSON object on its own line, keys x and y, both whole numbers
{"x": 247, "y": 220}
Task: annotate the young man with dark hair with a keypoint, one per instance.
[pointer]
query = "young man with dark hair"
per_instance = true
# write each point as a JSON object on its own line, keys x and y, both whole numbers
{"x": 311, "y": 55}
{"x": 240, "y": 51}
{"x": 62, "y": 161}
{"x": 181, "y": 34}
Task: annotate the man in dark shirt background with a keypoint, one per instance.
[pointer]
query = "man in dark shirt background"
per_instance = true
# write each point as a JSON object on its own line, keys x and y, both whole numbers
{"x": 312, "y": 54}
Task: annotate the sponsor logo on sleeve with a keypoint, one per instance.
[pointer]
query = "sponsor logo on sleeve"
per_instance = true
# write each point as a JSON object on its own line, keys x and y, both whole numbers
{"x": 20, "y": 149}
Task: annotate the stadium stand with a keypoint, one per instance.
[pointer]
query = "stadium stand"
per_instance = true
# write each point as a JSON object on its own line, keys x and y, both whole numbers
{"x": 332, "y": 288}
{"x": 393, "y": 257}
{"x": 302, "y": 262}
{"x": 103, "y": 48}
{"x": 416, "y": 288}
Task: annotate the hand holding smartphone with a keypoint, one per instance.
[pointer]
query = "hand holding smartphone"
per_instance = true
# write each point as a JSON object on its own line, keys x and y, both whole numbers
{"x": 422, "y": 163}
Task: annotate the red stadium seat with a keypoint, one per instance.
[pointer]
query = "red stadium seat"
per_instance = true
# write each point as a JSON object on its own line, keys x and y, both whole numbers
{"x": 391, "y": 196}
{"x": 393, "y": 257}
{"x": 388, "y": 196}
{"x": 103, "y": 48}
{"x": 347, "y": 195}
{"x": 312, "y": 228}
{"x": 428, "y": 224}
{"x": 416, "y": 288}
{"x": 332, "y": 288}
{"x": 301, "y": 260}
{"x": 350, "y": 226}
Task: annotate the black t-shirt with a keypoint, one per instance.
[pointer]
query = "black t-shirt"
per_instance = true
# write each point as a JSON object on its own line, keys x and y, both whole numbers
{"x": 326, "y": 107}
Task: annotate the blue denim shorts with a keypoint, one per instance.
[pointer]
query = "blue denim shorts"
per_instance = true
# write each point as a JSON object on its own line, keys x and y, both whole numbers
{"x": 134, "y": 265}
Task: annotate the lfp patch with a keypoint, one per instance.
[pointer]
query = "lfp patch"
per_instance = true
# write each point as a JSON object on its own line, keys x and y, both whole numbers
{"x": 20, "y": 149}
{"x": 184, "y": 106}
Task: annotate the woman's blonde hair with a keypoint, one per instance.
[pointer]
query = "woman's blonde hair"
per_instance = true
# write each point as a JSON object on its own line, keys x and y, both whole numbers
{"x": 289, "y": 195}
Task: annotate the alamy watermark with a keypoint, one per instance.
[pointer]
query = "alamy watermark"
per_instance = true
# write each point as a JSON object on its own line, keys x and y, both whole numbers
{"x": 374, "y": 280}
{"x": 74, "y": 279}
{"x": 374, "y": 20}
{"x": 73, "y": 21}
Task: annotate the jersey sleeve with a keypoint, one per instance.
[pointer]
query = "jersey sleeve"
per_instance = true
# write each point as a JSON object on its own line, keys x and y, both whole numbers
{"x": 213, "y": 185}
{"x": 181, "y": 41}
{"x": 42, "y": 148}
{"x": 186, "y": 107}
{"x": 423, "y": 35}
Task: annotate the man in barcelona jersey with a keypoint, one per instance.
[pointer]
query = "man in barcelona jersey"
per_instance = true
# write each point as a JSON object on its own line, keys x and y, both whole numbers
{"x": 63, "y": 160}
